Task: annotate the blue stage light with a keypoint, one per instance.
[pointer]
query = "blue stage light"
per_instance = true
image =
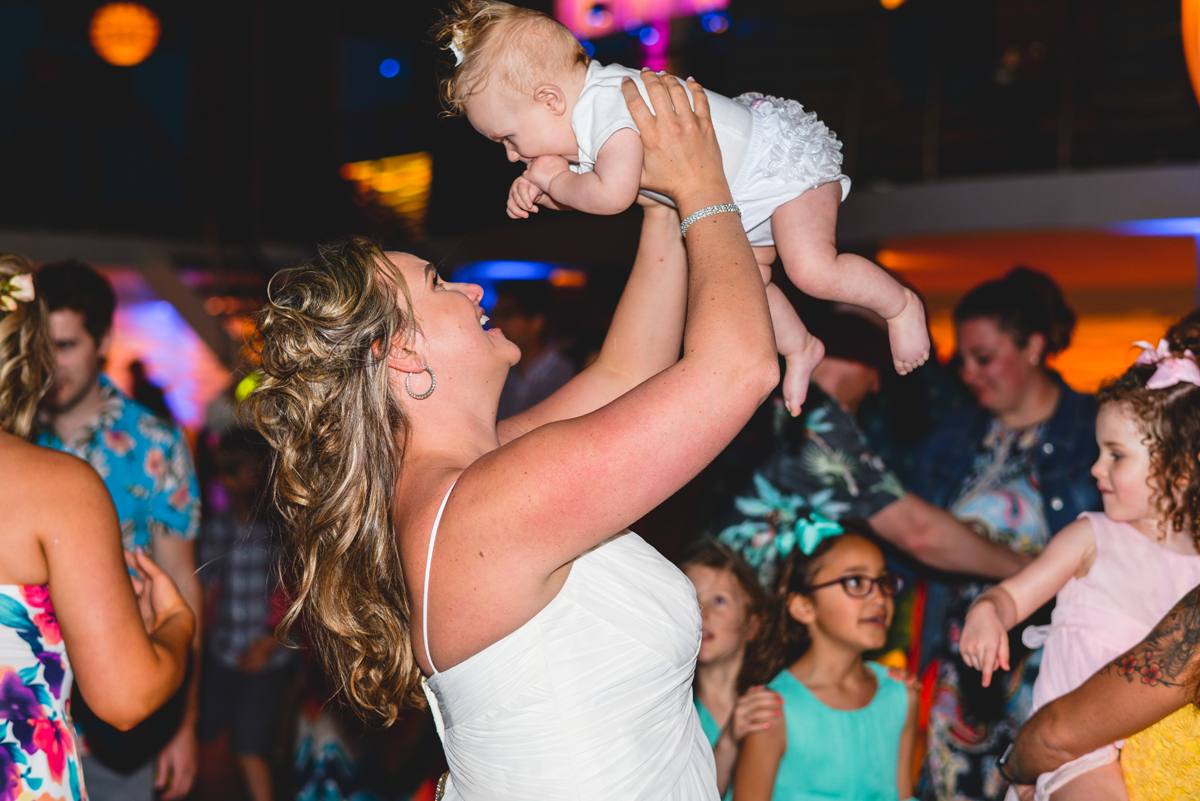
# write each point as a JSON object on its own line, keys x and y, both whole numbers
{"x": 715, "y": 22}
{"x": 1171, "y": 226}
{"x": 648, "y": 36}
{"x": 589, "y": 48}
{"x": 389, "y": 68}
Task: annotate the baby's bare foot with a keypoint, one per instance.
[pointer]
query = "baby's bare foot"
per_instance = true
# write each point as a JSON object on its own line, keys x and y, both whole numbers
{"x": 799, "y": 368}
{"x": 908, "y": 335}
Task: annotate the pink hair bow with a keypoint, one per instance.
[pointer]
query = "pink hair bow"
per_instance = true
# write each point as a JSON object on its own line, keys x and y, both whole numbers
{"x": 1170, "y": 369}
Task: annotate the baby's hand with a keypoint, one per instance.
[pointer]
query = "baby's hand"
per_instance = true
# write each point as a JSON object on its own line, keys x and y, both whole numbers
{"x": 984, "y": 642}
{"x": 544, "y": 169}
{"x": 522, "y": 198}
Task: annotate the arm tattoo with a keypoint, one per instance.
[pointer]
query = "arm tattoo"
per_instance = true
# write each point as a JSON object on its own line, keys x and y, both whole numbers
{"x": 1168, "y": 655}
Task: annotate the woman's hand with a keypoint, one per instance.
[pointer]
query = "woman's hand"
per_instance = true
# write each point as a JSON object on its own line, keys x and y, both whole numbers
{"x": 984, "y": 641}
{"x": 158, "y": 597}
{"x": 681, "y": 156}
{"x": 754, "y": 711}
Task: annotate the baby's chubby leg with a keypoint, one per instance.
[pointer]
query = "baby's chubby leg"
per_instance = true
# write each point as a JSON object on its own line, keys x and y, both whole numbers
{"x": 801, "y": 350}
{"x": 804, "y": 229}
{"x": 1105, "y": 783}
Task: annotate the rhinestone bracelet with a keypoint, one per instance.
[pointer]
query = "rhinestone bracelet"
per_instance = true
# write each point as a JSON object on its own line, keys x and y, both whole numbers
{"x": 699, "y": 215}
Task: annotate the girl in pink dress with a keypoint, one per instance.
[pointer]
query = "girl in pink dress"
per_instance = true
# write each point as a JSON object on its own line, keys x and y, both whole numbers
{"x": 1117, "y": 573}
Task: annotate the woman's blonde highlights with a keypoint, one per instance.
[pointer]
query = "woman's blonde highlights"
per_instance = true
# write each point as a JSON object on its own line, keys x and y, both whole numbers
{"x": 26, "y": 354}
{"x": 338, "y": 434}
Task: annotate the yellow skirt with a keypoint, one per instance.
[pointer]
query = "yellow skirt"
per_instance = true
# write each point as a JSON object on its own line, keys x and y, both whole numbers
{"x": 1163, "y": 762}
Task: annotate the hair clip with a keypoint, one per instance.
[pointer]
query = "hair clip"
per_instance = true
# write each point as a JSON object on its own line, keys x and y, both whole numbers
{"x": 1169, "y": 369}
{"x": 17, "y": 288}
{"x": 456, "y": 46}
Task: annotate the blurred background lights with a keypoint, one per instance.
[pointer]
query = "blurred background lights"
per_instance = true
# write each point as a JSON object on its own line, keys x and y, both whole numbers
{"x": 589, "y": 48}
{"x": 598, "y": 17}
{"x": 490, "y": 274}
{"x": 399, "y": 184}
{"x": 389, "y": 68}
{"x": 715, "y": 22}
{"x": 124, "y": 34}
{"x": 891, "y": 4}
{"x": 648, "y": 36}
{"x": 1190, "y": 23}
{"x": 593, "y": 19}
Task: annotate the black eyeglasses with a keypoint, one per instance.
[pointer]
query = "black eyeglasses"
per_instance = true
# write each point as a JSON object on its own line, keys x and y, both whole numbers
{"x": 857, "y": 586}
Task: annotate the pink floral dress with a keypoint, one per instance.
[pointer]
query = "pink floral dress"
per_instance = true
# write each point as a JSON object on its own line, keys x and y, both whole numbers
{"x": 39, "y": 760}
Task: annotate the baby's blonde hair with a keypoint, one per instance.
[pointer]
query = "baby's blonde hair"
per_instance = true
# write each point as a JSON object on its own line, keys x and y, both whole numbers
{"x": 515, "y": 46}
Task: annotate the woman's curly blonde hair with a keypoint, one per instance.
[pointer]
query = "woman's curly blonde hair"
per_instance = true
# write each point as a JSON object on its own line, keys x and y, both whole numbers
{"x": 516, "y": 46}
{"x": 26, "y": 353}
{"x": 338, "y": 436}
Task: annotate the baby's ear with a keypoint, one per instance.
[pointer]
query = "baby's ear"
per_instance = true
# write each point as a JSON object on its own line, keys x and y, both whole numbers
{"x": 551, "y": 96}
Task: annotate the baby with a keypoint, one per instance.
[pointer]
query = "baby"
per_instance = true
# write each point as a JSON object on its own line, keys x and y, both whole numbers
{"x": 523, "y": 80}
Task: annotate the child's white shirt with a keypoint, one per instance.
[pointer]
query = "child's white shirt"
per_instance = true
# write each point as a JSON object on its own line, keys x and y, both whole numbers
{"x": 600, "y": 112}
{"x": 772, "y": 151}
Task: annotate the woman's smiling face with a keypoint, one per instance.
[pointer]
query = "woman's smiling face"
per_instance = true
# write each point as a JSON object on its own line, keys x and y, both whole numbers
{"x": 450, "y": 319}
{"x": 998, "y": 373}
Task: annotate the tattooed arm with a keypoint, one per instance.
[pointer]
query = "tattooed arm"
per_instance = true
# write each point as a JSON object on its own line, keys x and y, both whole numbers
{"x": 1141, "y": 687}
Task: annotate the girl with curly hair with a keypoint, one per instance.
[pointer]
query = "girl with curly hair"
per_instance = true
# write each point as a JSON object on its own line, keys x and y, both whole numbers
{"x": 1118, "y": 572}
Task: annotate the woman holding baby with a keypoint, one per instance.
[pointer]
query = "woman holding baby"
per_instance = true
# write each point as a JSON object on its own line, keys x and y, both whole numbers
{"x": 428, "y": 540}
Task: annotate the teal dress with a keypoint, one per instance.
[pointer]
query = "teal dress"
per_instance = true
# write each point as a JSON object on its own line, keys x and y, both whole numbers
{"x": 840, "y": 754}
{"x": 712, "y": 730}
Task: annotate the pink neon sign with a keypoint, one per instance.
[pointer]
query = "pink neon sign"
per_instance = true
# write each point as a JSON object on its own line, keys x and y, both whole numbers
{"x": 590, "y": 19}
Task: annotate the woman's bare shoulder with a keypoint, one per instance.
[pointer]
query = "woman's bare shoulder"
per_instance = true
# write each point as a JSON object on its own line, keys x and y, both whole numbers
{"x": 30, "y": 472}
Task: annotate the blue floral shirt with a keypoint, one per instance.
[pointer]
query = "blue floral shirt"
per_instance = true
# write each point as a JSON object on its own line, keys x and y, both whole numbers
{"x": 146, "y": 464}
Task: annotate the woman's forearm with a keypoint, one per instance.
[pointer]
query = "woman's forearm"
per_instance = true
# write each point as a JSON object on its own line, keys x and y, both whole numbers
{"x": 728, "y": 320}
{"x": 1150, "y": 681}
{"x": 936, "y": 538}
{"x": 647, "y": 327}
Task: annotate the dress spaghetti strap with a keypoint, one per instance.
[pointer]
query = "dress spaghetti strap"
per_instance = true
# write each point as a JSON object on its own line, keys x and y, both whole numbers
{"x": 437, "y": 521}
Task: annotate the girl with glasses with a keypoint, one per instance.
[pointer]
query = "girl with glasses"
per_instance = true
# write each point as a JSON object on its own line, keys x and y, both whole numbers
{"x": 849, "y": 728}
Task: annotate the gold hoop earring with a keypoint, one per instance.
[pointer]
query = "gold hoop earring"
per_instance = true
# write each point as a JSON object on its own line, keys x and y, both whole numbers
{"x": 428, "y": 392}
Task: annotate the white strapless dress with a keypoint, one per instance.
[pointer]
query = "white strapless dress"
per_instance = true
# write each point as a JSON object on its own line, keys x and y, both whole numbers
{"x": 591, "y": 699}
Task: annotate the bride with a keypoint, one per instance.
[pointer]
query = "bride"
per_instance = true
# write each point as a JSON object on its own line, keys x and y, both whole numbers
{"x": 426, "y": 540}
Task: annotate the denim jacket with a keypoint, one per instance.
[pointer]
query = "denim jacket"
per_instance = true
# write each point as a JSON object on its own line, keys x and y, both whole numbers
{"x": 1064, "y": 460}
{"x": 1064, "y": 463}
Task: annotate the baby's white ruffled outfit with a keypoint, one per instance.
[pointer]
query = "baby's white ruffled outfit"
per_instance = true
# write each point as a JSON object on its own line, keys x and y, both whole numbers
{"x": 771, "y": 148}
{"x": 591, "y": 699}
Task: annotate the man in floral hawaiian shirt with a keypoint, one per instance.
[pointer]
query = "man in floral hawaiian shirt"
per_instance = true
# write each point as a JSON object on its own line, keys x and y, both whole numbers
{"x": 148, "y": 469}
{"x": 821, "y": 462}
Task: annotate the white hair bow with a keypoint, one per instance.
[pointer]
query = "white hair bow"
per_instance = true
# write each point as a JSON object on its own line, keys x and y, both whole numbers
{"x": 456, "y": 47}
{"x": 1169, "y": 369}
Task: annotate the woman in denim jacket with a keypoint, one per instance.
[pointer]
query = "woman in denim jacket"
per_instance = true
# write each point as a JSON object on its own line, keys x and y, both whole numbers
{"x": 1016, "y": 469}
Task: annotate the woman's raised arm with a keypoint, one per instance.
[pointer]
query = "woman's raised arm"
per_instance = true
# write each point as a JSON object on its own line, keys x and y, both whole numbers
{"x": 644, "y": 337}
{"x": 564, "y": 487}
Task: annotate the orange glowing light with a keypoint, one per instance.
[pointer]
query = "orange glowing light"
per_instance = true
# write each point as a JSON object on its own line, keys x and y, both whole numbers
{"x": 399, "y": 184}
{"x": 124, "y": 34}
{"x": 891, "y": 4}
{"x": 1191, "y": 41}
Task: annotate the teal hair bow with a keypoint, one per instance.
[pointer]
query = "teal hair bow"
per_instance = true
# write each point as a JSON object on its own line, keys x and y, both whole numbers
{"x": 806, "y": 533}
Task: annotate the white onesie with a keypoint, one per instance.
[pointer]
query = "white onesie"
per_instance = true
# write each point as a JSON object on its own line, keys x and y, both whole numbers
{"x": 772, "y": 150}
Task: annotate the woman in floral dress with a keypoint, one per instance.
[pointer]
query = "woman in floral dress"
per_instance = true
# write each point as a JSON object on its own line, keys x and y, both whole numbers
{"x": 64, "y": 583}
